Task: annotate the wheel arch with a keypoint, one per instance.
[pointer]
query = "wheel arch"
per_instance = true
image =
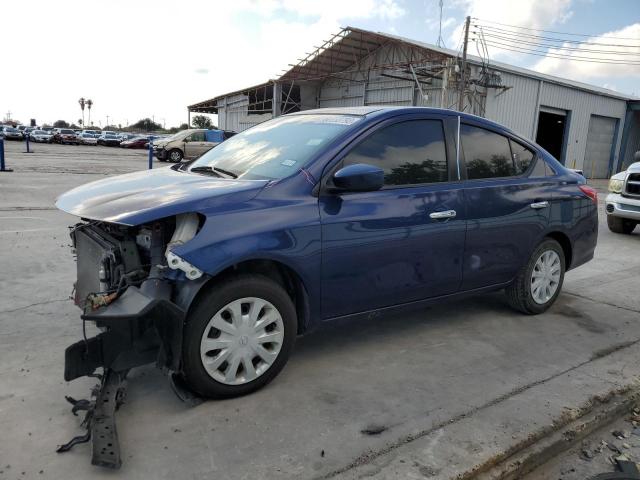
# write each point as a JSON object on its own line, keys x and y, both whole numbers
{"x": 565, "y": 242}
{"x": 275, "y": 270}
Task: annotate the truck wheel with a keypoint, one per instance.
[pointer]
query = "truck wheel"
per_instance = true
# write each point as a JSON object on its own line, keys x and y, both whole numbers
{"x": 238, "y": 336}
{"x": 620, "y": 225}
{"x": 539, "y": 281}
{"x": 175, "y": 155}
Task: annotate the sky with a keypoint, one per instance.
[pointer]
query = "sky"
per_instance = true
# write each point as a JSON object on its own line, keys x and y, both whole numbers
{"x": 140, "y": 58}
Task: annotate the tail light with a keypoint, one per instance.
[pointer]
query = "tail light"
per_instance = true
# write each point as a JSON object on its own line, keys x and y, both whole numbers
{"x": 590, "y": 192}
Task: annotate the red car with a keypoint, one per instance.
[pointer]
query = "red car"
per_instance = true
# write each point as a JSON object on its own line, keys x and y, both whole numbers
{"x": 65, "y": 135}
{"x": 137, "y": 142}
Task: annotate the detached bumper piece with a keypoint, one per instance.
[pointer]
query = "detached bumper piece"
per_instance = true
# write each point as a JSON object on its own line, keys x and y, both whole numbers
{"x": 100, "y": 421}
{"x": 140, "y": 327}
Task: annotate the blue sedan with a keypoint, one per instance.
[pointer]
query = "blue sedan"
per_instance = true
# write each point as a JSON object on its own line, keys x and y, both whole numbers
{"x": 211, "y": 268}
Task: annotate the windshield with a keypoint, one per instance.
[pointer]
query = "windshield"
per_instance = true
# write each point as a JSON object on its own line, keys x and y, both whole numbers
{"x": 67, "y": 132}
{"x": 277, "y": 148}
{"x": 10, "y": 129}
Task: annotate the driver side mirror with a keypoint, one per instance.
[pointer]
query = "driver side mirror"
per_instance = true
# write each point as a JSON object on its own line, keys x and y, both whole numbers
{"x": 359, "y": 177}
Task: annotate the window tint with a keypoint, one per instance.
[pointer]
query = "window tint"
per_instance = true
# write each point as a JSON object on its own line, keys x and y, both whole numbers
{"x": 486, "y": 154}
{"x": 410, "y": 152}
{"x": 197, "y": 137}
{"x": 522, "y": 157}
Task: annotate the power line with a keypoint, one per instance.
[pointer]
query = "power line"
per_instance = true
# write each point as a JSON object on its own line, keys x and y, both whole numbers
{"x": 552, "y": 31}
{"x": 559, "y": 47}
{"x": 543, "y": 53}
{"x": 502, "y": 31}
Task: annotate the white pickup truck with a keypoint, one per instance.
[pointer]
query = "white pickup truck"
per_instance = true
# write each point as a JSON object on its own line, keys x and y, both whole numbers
{"x": 623, "y": 201}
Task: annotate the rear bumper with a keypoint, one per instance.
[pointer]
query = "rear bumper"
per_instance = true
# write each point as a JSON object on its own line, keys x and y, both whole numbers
{"x": 140, "y": 328}
{"x": 624, "y": 207}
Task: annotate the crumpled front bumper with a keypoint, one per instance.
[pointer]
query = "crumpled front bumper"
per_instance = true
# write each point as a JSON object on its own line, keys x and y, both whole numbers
{"x": 139, "y": 328}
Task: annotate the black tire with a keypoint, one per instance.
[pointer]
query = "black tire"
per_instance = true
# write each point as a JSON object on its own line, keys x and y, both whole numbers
{"x": 174, "y": 152}
{"x": 519, "y": 293}
{"x": 218, "y": 296}
{"x": 620, "y": 225}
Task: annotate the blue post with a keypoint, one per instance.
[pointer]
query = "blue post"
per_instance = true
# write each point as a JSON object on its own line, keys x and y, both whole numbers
{"x": 26, "y": 139}
{"x": 150, "y": 154}
{"x": 2, "y": 167}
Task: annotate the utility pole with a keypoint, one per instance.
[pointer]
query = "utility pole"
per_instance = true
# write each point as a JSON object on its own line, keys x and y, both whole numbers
{"x": 463, "y": 78}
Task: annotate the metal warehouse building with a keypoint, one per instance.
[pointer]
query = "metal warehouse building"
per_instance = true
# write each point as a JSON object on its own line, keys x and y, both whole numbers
{"x": 584, "y": 126}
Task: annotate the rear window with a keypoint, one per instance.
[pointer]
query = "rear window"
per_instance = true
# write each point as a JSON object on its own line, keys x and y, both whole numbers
{"x": 488, "y": 154}
{"x": 67, "y": 132}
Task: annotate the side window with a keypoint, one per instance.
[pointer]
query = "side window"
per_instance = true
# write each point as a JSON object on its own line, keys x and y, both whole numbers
{"x": 522, "y": 158}
{"x": 487, "y": 154}
{"x": 410, "y": 152}
{"x": 196, "y": 137}
{"x": 539, "y": 169}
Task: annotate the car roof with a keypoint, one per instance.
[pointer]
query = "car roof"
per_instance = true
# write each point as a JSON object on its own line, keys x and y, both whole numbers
{"x": 385, "y": 111}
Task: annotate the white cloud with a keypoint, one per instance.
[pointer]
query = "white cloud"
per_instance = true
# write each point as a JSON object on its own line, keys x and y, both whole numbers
{"x": 538, "y": 14}
{"x": 153, "y": 58}
{"x": 584, "y": 71}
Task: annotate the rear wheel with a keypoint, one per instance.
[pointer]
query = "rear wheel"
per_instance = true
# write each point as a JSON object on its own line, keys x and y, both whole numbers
{"x": 238, "y": 336}
{"x": 620, "y": 225}
{"x": 539, "y": 282}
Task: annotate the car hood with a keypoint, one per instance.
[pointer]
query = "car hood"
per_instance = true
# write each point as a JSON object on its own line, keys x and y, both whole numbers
{"x": 141, "y": 197}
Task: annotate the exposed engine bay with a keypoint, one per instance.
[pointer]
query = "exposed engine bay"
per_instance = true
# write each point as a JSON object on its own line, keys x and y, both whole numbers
{"x": 136, "y": 291}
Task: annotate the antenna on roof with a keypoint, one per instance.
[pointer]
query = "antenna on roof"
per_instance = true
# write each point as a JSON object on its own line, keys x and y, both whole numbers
{"x": 440, "y": 42}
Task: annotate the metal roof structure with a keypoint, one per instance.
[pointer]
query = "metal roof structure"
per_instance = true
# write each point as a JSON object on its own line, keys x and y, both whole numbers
{"x": 343, "y": 54}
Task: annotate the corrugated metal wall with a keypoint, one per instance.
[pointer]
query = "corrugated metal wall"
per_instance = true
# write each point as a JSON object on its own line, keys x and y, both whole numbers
{"x": 582, "y": 105}
{"x": 233, "y": 115}
{"x": 516, "y": 107}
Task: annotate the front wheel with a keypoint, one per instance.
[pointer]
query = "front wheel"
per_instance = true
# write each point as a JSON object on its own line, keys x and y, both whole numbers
{"x": 175, "y": 155}
{"x": 620, "y": 225}
{"x": 538, "y": 283}
{"x": 238, "y": 337}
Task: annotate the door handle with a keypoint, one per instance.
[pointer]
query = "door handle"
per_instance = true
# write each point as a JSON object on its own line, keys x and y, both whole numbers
{"x": 539, "y": 205}
{"x": 442, "y": 215}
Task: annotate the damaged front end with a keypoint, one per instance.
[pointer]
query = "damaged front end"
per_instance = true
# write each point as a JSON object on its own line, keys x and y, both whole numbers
{"x": 128, "y": 283}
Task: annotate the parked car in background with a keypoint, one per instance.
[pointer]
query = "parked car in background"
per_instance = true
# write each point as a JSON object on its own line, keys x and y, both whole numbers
{"x": 623, "y": 201}
{"x": 87, "y": 139}
{"x": 65, "y": 136}
{"x": 109, "y": 139}
{"x": 188, "y": 144}
{"x": 95, "y": 133}
{"x": 40, "y": 136}
{"x": 314, "y": 216}
{"x": 136, "y": 142}
{"x": 11, "y": 133}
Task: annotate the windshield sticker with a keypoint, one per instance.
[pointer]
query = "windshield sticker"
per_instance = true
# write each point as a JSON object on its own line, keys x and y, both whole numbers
{"x": 336, "y": 119}
{"x": 314, "y": 141}
{"x": 288, "y": 163}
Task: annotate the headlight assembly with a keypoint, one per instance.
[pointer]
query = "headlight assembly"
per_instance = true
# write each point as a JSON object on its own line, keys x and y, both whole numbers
{"x": 615, "y": 185}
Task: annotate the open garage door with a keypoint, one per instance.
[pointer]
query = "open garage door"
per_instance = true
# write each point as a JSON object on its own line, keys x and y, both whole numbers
{"x": 599, "y": 146}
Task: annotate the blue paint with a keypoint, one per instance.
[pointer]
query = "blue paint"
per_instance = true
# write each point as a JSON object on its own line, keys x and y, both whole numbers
{"x": 360, "y": 251}
{"x": 150, "y": 153}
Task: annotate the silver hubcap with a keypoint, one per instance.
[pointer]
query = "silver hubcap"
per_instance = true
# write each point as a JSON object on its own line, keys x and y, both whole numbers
{"x": 545, "y": 277}
{"x": 242, "y": 340}
{"x": 175, "y": 156}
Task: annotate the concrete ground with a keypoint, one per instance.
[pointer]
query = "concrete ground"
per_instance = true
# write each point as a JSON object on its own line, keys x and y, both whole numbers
{"x": 597, "y": 453}
{"x": 432, "y": 394}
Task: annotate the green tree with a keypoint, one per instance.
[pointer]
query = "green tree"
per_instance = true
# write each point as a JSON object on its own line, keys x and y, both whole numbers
{"x": 200, "y": 121}
{"x": 60, "y": 124}
{"x": 147, "y": 125}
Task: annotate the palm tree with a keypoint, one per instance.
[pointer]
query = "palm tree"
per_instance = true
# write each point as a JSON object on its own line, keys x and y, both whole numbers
{"x": 89, "y": 104}
{"x": 82, "y": 104}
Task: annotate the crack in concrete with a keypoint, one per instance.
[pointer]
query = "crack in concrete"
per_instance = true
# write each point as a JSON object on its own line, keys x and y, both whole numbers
{"x": 368, "y": 457}
{"x": 600, "y": 301}
{"x": 46, "y": 302}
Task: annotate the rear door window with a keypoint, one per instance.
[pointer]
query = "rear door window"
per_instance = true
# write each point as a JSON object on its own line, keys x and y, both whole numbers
{"x": 522, "y": 157}
{"x": 487, "y": 154}
{"x": 410, "y": 153}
